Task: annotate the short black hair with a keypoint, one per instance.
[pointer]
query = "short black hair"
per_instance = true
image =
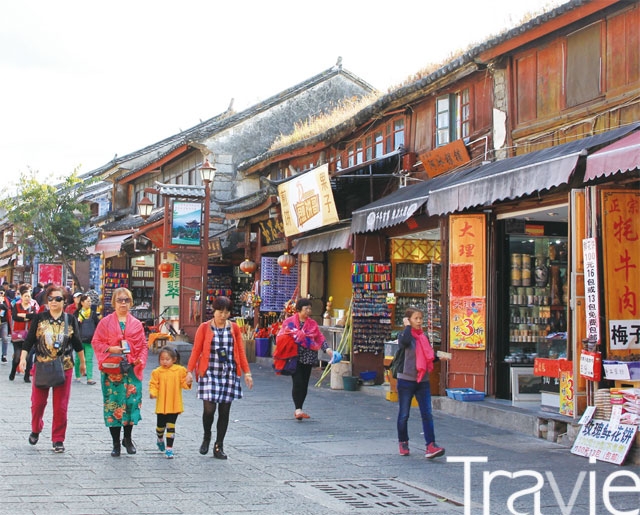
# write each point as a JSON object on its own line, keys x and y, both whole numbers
{"x": 302, "y": 303}
{"x": 221, "y": 304}
{"x": 172, "y": 351}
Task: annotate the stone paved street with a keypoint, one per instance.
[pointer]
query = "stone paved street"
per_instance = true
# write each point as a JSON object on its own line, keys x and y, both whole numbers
{"x": 342, "y": 460}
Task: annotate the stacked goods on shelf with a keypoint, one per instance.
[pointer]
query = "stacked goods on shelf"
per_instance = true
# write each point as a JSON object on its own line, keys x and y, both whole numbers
{"x": 371, "y": 314}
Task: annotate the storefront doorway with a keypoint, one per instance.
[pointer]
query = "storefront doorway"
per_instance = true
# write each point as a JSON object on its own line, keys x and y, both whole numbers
{"x": 532, "y": 305}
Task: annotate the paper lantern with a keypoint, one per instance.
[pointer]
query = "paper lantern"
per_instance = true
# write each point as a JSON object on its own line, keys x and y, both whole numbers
{"x": 247, "y": 266}
{"x": 286, "y": 262}
{"x": 165, "y": 269}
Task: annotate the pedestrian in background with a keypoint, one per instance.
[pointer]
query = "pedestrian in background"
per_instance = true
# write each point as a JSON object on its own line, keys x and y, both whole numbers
{"x": 218, "y": 359}
{"x": 88, "y": 321}
{"x": 74, "y": 304}
{"x": 5, "y": 324}
{"x": 306, "y": 334}
{"x": 413, "y": 381}
{"x": 23, "y": 312}
{"x": 94, "y": 296}
{"x": 52, "y": 333}
{"x": 121, "y": 336}
{"x": 166, "y": 385}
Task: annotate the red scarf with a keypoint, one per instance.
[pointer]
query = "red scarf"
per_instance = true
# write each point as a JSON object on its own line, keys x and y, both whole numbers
{"x": 424, "y": 353}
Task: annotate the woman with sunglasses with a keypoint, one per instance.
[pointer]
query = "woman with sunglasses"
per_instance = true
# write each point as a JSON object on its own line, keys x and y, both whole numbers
{"x": 121, "y": 334}
{"x": 52, "y": 333}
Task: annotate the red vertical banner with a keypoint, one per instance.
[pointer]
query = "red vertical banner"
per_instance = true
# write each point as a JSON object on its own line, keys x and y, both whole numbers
{"x": 49, "y": 273}
{"x": 467, "y": 288}
{"x": 621, "y": 250}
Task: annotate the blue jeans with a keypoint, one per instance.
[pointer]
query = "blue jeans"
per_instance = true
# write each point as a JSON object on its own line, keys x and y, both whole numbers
{"x": 4, "y": 335}
{"x": 422, "y": 392}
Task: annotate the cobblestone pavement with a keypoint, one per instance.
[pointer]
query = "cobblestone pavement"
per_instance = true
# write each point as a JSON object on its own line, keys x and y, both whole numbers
{"x": 344, "y": 459}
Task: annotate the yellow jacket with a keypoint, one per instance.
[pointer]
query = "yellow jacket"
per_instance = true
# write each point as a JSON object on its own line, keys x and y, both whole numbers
{"x": 166, "y": 385}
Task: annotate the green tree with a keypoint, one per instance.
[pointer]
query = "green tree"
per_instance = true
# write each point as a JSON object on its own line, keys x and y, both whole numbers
{"x": 48, "y": 219}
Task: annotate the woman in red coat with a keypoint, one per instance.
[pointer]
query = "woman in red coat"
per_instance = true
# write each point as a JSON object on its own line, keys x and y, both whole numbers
{"x": 218, "y": 359}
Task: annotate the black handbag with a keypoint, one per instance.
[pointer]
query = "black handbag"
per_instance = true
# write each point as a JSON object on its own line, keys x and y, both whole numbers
{"x": 49, "y": 374}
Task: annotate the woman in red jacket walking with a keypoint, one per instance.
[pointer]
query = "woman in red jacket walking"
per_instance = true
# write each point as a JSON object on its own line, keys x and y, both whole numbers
{"x": 218, "y": 359}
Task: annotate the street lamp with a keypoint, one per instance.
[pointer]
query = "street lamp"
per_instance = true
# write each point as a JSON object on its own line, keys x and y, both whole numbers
{"x": 207, "y": 174}
{"x": 145, "y": 206}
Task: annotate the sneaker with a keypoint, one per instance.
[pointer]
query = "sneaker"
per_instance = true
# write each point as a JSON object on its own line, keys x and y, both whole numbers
{"x": 33, "y": 438}
{"x": 169, "y": 453}
{"x": 433, "y": 451}
{"x": 4, "y": 359}
{"x": 160, "y": 444}
{"x": 404, "y": 448}
{"x": 58, "y": 447}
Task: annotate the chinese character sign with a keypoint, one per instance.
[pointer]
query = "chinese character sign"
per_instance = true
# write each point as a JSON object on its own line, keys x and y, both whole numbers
{"x": 621, "y": 250}
{"x": 467, "y": 272}
{"x": 307, "y": 202}
{"x": 591, "y": 289}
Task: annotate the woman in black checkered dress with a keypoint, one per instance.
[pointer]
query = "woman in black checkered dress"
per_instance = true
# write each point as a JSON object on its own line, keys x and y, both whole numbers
{"x": 218, "y": 359}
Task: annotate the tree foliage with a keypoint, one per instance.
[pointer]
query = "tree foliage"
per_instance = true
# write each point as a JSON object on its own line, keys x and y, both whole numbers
{"x": 48, "y": 219}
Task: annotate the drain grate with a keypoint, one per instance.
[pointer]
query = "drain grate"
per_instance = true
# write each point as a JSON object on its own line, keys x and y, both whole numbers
{"x": 376, "y": 494}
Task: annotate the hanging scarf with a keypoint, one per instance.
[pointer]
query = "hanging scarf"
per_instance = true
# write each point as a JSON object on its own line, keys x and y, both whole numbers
{"x": 424, "y": 353}
{"x": 85, "y": 314}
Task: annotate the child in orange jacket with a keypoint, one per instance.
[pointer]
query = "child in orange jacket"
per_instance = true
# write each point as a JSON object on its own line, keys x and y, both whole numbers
{"x": 166, "y": 385}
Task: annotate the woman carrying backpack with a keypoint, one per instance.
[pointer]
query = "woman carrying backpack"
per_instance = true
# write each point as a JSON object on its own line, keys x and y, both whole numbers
{"x": 88, "y": 321}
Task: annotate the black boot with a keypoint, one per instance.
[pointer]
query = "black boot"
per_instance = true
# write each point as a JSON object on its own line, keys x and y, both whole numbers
{"x": 218, "y": 452}
{"x": 115, "y": 452}
{"x": 206, "y": 441}
{"x": 128, "y": 445}
{"x": 14, "y": 368}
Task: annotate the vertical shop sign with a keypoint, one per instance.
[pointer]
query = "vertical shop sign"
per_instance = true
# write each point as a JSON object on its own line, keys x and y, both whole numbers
{"x": 621, "y": 250}
{"x": 49, "y": 273}
{"x": 467, "y": 295}
{"x": 591, "y": 289}
{"x": 307, "y": 202}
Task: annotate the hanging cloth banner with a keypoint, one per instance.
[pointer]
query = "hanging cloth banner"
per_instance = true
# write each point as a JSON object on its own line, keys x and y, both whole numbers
{"x": 307, "y": 202}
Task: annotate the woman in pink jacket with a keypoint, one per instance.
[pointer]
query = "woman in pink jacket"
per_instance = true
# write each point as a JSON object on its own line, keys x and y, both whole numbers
{"x": 121, "y": 334}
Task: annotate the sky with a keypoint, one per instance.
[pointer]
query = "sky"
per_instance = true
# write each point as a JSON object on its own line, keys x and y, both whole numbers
{"x": 82, "y": 81}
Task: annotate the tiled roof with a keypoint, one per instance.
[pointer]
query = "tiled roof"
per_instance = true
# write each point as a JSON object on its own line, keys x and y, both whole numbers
{"x": 400, "y": 95}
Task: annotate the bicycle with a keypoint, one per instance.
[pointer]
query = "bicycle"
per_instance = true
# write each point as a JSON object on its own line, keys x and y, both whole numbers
{"x": 160, "y": 333}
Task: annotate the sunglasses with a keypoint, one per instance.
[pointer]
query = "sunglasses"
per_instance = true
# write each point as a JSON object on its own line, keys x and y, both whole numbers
{"x": 59, "y": 298}
{"x": 123, "y": 300}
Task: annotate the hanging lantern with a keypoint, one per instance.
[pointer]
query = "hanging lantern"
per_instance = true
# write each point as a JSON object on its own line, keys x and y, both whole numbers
{"x": 247, "y": 266}
{"x": 286, "y": 262}
{"x": 165, "y": 269}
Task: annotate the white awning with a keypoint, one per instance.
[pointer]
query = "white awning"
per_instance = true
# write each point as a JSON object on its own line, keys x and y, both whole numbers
{"x": 329, "y": 240}
{"x": 111, "y": 245}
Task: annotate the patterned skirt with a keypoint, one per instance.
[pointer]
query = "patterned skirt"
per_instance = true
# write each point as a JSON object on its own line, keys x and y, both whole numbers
{"x": 122, "y": 394}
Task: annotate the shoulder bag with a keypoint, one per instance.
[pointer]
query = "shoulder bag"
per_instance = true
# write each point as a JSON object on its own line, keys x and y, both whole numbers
{"x": 397, "y": 362}
{"x": 50, "y": 374}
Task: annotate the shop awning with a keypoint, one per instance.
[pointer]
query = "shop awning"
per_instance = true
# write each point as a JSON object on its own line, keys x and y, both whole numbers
{"x": 619, "y": 157}
{"x": 393, "y": 209}
{"x": 111, "y": 245}
{"x": 323, "y": 242}
{"x": 5, "y": 262}
{"x": 516, "y": 176}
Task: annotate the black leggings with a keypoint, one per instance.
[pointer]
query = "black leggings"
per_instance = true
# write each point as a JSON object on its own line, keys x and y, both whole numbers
{"x": 115, "y": 433}
{"x": 209, "y": 410}
{"x": 300, "y": 380}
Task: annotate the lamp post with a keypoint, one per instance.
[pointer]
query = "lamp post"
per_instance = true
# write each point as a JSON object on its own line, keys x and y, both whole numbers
{"x": 207, "y": 174}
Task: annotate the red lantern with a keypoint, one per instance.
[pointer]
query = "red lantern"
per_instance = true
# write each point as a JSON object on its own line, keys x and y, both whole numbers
{"x": 286, "y": 262}
{"x": 247, "y": 266}
{"x": 165, "y": 269}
